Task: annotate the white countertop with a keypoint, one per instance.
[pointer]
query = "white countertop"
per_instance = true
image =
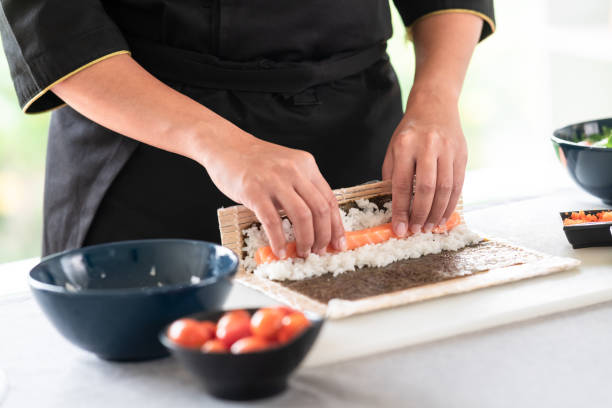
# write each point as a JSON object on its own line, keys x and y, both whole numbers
{"x": 559, "y": 360}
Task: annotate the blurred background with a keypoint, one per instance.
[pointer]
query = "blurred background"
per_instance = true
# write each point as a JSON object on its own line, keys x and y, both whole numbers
{"x": 548, "y": 65}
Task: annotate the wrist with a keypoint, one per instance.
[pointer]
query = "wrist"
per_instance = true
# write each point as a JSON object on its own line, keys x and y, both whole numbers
{"x": 203, "y": 140}
{"x": 213, "y": 138}
{"x": 437, "y": 90}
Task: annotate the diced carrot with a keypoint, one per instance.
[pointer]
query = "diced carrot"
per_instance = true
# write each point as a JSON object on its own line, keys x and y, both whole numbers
{"x": 570, "y": 221}
{"x": 606, "y": 216}
{"x": 581, "y": 217}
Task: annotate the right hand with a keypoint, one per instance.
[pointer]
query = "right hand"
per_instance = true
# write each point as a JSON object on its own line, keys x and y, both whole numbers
{"x": 266, "y": 177}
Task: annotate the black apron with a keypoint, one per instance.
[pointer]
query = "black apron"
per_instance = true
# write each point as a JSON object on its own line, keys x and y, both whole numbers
{"x": 341, "y": 106}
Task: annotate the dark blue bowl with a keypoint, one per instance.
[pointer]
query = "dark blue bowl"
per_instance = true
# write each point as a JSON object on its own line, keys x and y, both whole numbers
{"x": 590, "y": 167}
{"x": 113, "y": 299}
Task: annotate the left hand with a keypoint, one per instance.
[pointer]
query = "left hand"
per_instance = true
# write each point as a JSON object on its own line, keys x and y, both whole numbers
{"x": 428, "y": 142}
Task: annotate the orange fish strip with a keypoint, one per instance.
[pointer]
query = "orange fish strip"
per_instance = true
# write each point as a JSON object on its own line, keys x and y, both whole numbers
{"x": 354, "y": 239}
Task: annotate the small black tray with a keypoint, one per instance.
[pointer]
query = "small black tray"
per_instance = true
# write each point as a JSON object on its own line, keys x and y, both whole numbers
{"x": 589, "y": 234}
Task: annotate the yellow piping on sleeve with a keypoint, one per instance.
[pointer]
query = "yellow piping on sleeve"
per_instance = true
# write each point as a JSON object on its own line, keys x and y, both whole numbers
{"x": 44, "y": 91}
{"x": 44, "y": 111}
{"x": 486, "y": 18}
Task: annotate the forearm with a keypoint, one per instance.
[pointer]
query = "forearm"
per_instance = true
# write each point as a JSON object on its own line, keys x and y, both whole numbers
{"x": 428, "y": 143}
{"x": 443, "y": 47}
{"x": 119, "y": 94}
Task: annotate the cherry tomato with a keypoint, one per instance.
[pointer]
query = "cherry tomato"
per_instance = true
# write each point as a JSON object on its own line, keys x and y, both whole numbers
{"x": 214, "y": 346}
{"x": 292, "y": 326}
{"x": 266, "y": 322}
{"x": 250, "y": 344}
{"x": 189, "y": 333}
{"x": 285, "y": 310}
{"x": 233, "y": 326}
{"x": 211, "y": 327}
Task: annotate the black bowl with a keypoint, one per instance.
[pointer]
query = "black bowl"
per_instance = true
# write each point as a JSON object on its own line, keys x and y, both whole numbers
{"x": 589, "y": 166}
{"x": 113, "y": 299}
{"x": 245, "y": 376}
{"x": 590, "y": 234}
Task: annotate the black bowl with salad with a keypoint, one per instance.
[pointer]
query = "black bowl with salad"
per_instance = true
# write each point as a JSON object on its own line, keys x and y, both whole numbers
{"x": 585, "y": 149}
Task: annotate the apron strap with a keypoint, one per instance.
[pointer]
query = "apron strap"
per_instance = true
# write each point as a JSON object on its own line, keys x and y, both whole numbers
{"x": 207, "y": 71}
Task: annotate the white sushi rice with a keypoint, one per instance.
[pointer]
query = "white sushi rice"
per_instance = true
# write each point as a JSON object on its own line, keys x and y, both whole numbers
{"x": 377, "y": 255}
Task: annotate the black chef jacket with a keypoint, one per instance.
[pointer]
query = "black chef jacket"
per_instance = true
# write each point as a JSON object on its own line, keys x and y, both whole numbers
{"x": 311, "y": 75}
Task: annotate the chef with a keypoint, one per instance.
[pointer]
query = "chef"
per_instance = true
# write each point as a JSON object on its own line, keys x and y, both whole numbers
{"x": 165, "y": 110}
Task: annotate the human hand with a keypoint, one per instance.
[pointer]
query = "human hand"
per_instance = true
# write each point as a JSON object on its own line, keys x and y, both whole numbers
{"x": 428, "y": 143}
{"x": 266, "y": 177}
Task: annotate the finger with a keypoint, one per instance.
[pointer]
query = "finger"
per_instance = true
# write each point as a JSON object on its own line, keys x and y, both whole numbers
{"x": 337, "y": 239}
{"x": 321, "y": 215}
{"x": 426, "y": 173}
{"x": 458, "y": 179}
{"x": 387, "y": 167}
{"x": 401, "y": 191}
{"x": 271, "y": 221}
{"x": 301, "y": 218}
{"x": 444, "y": 188}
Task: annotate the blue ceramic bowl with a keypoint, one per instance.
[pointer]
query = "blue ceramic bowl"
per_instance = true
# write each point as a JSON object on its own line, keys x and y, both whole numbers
{"x": 113, "y": 299}
{"x": 589, "y": 166}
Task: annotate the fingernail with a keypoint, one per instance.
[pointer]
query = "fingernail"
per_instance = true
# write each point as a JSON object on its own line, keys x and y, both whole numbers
{"x": 416, "y": 228}
{"x": 401, "y": 229}
{"x": 343, "y": 244}
{"x": 428, "y": 227}
{"x": 282, "y": 253}
{"x": 442, "y": 222}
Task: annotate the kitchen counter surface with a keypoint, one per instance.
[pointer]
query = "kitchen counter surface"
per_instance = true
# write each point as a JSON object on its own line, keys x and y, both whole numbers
{"x": 560, "y": 360}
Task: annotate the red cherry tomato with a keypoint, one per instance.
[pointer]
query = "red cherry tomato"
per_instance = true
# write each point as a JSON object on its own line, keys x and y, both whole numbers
{"x": 266, "y": 322}
{"x": 189, "y": 333}
{"x": 211, "y": 327}
{"x": 214, "y": 346}
{"x": 285, "y": 310}
{"x": 233, "y": 326}
{"x": 250, "y": 344}
{"x": 292, "y": 326}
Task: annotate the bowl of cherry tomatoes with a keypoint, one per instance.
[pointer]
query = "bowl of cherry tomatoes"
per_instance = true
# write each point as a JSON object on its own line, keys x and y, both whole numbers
{"x": 243, "y": 354}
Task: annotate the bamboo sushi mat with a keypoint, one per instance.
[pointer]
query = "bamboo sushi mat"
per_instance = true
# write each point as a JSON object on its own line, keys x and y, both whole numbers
{"x": 233, "y": 220}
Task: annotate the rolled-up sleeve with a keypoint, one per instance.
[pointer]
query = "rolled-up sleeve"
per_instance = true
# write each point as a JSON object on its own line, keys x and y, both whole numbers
{"x": 414, "y": 10}
{"x": 47, "y": 41}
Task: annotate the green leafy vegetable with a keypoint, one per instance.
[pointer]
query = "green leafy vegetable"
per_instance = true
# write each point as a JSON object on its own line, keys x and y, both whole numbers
{"x": 603, "y": 139}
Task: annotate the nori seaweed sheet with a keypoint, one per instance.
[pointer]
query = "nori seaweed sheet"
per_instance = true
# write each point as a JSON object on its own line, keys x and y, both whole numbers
{"x": 410, "y": 273}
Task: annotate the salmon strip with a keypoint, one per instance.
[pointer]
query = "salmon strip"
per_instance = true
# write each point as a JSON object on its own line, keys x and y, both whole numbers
{"x": 355, "y": 239}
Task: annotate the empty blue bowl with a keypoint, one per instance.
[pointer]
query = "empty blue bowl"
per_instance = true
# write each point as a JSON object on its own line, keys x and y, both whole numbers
{"x": 113, "y": 299}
